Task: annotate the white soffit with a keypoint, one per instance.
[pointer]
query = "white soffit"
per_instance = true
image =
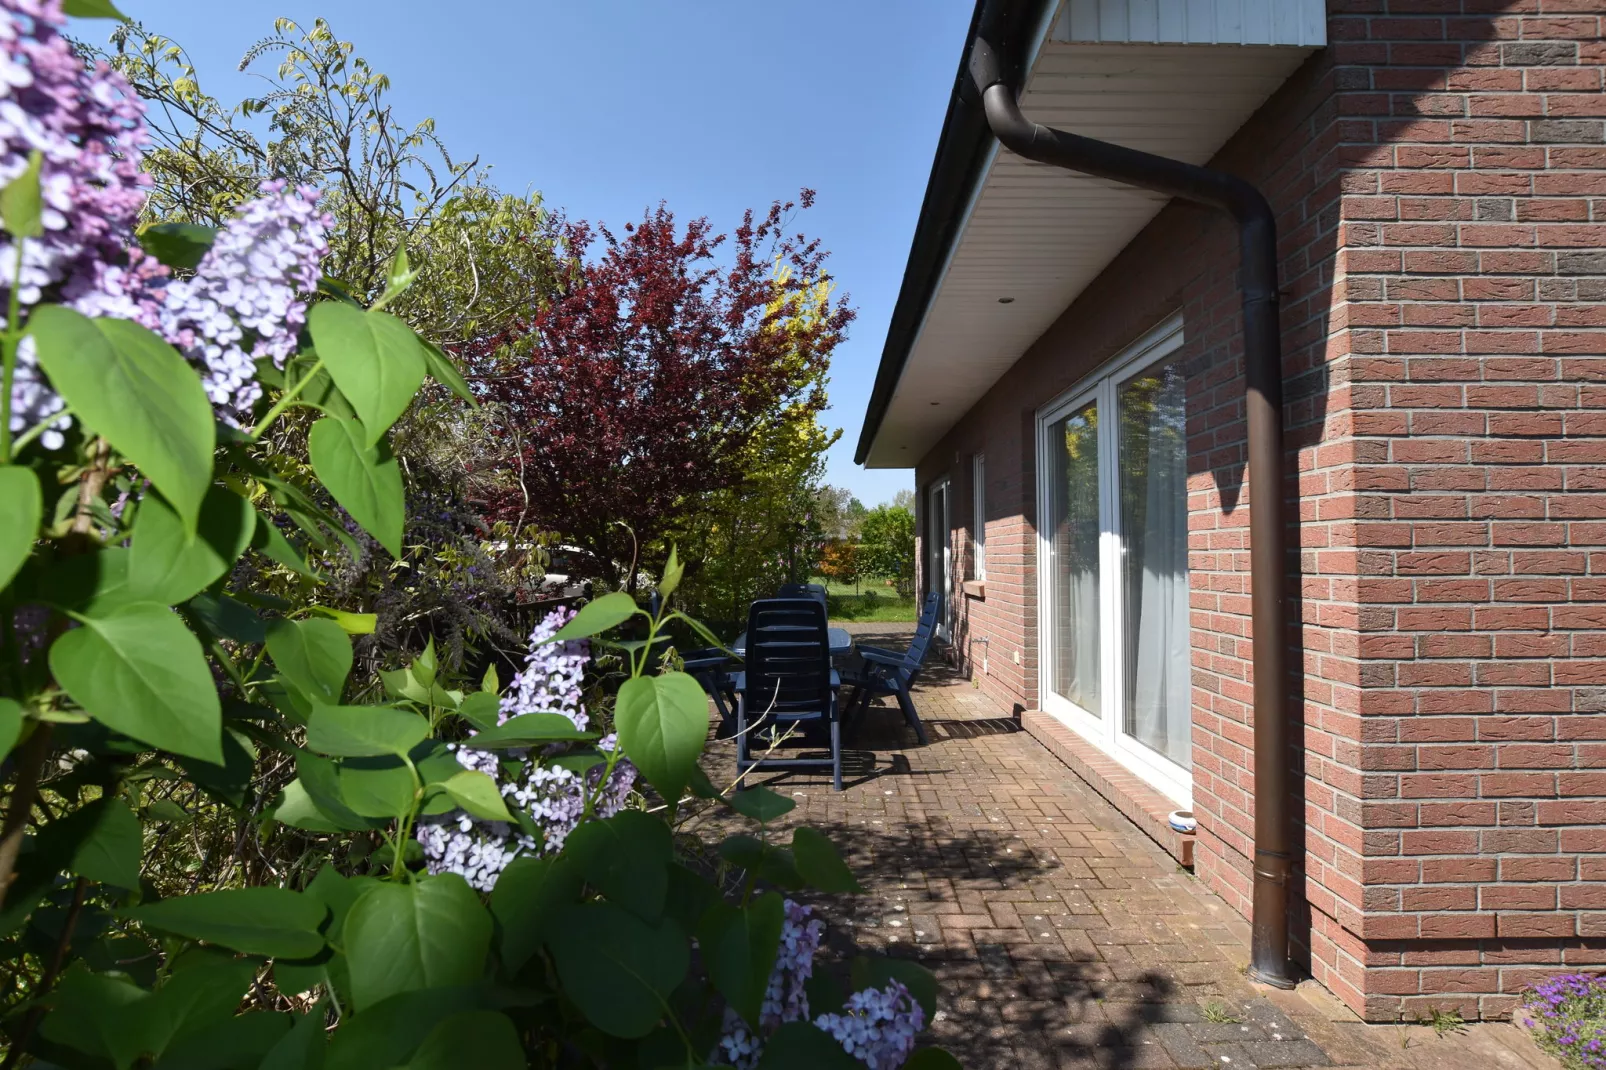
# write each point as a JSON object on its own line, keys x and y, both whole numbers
{"x": 1040, "y": 234}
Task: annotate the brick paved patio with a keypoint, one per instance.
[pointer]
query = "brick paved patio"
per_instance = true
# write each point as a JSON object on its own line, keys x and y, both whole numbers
{"x": 1062, "y": 936}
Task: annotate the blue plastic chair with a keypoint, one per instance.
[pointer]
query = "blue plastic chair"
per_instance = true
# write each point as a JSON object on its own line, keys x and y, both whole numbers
{"x": 887, "y": 672}
{"x": 789, "y": 683}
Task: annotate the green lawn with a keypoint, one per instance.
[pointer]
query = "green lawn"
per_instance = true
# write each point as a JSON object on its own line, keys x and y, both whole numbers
{"x": 872, "y": 602}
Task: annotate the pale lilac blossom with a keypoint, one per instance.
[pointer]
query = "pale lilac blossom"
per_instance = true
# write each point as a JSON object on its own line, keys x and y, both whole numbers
{"x": 553, "y": 674}
{"x": 88, "y": 126}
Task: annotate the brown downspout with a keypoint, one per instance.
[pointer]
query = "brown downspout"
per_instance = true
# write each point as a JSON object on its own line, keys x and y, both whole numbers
{"x": 994, "y": 57}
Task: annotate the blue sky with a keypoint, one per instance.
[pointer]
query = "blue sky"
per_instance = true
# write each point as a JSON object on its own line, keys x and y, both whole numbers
{"x": 607, "y": 106}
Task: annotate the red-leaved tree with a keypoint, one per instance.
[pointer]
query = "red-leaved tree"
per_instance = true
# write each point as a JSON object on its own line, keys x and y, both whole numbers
{"x": 638, "y": 386}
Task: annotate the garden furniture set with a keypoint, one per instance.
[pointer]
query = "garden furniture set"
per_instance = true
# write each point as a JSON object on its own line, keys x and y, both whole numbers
{"x": 778, "y": 682}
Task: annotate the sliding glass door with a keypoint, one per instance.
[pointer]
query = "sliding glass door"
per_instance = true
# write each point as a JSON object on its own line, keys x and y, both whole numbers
{"x": 1113, "y": 563}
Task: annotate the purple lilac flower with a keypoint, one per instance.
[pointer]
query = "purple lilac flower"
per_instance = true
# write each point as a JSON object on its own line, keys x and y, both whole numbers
{"x": 88, "y": 127}
{"x": 785, "y": 998}
{"x": 243, "y": 303}
{"x": 878, "y": 1026}
{"x": 553, "y": 797}
{"x": 551, "y": 679}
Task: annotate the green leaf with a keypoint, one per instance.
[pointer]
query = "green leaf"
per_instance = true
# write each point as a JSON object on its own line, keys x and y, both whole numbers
{"x": 618, "y": 969}
{"x": 375, "y": 359}
{"x": 92, "y": 9}
{"x": 385, "y": 1035}
{"x": 364, "y": 731}
{"x": 139, "y": 671}
{"x": 485, "y": 1040}
{"x": 932, "y": 1059}
{"x": 819, "y": 864}
{"x": 423, "y": 667}
{"x": 377, "y": 787}
{"x": 350, "y": 623}
{"x": 274, "y": 922}
{"x": 368, "y": 485}
{"x": 428, "y": 934}
{"x": 19, "y": 518}
{"x": 21, "y": 205}
{"x": 626, "y": 858}
{"x": 663, "y": 723}
{"x": 130, "y": 386}
{"x": 109, "y": 842}
{"x": 237, "y": 1042}
{"x": 302, "y": 1048}
{"x": 320, "y": 778}
{"x": 167, "y": 810}
{"x": 530, "y": 729}
{"x": 875, "y": 971}
{"x": 761, "y": 804}
{"x": 227, "y": 618}
{"x": 477, "y": 793}
{"x": 89, "y": 1013}
{"x": 526, "y": 900}
{"x": 269, "y": 541}
{"x": 178, "y": 245}
{"x": 597, "y": 615}
{"x": 10, "y": 725}
{"x": 314, "y": 655}
{"x": 739, "y": 946}
{"x": 446, "y": 373}
{"x": 482, "y": 708}
{"x": 167, "y": 565}
{"x": 773, "y": 864}
{"x": 673, "y": 571}
{"x": 398, "y": 277}
{"x": 295, "y": 807}
{"x": 803, "y": 1046}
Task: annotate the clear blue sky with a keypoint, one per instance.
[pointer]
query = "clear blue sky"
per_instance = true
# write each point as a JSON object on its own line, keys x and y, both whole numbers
{"x": 607, "y": 106}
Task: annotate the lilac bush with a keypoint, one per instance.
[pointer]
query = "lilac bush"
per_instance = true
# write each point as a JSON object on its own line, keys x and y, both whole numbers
{"x": 553, "y": 674}
{"x": 877, "y": 1026}
{"x": 1567, "y": 1015}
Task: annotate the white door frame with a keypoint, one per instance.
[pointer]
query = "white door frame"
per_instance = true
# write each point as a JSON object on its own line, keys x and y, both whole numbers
{"x": 1103, "y": 730}
{"x": 941, "y": 572}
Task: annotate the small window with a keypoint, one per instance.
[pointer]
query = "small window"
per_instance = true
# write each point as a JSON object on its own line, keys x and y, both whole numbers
{"x": 978, "y": 517}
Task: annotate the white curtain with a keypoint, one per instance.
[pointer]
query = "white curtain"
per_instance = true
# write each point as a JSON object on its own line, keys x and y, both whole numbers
{"x": 1076, "y": 546}
{"x": 1159, "y": 685}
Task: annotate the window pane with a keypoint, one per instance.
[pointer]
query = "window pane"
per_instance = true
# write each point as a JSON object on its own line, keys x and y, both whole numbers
{"x": 1075, "y": 492}
{"x": 1154, "y": 580}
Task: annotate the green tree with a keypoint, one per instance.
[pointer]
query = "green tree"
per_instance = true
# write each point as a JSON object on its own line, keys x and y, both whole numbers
{"x": 887, "y": 546}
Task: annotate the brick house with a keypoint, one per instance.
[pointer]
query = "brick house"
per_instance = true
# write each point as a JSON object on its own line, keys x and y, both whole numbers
{"x": 1064, "y": 373}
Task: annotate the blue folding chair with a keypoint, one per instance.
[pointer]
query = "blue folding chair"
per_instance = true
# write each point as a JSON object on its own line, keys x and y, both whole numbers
{"x": 887, "y": 672}
{"x": 789, "y": 683}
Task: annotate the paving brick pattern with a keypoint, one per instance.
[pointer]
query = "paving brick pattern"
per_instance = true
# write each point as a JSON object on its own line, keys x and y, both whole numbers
{"x": 1061, "y": 935}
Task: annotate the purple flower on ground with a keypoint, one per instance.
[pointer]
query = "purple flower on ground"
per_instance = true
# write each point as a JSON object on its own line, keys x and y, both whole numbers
{"x": 1567, "y": 1014}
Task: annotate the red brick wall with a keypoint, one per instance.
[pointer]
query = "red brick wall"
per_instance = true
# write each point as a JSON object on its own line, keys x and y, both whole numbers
{"x": 1438, "y": 175}
{"x": 1474, "y": 216}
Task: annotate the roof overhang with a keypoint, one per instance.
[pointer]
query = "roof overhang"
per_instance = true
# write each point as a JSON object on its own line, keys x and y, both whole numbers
{"x": 1003, "y": 245}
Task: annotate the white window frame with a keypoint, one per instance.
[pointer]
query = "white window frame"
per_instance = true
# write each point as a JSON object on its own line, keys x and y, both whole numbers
{"x": 1103, "y": 730}
{"x": 940, "y": 556}
{"x": 978, "y": 517}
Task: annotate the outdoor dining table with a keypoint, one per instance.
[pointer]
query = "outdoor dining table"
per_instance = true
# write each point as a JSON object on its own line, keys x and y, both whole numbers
{"x": 840, "y": 640}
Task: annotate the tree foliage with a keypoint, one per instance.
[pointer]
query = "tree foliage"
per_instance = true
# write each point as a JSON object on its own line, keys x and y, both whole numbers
{"x": 658, "y": 375}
